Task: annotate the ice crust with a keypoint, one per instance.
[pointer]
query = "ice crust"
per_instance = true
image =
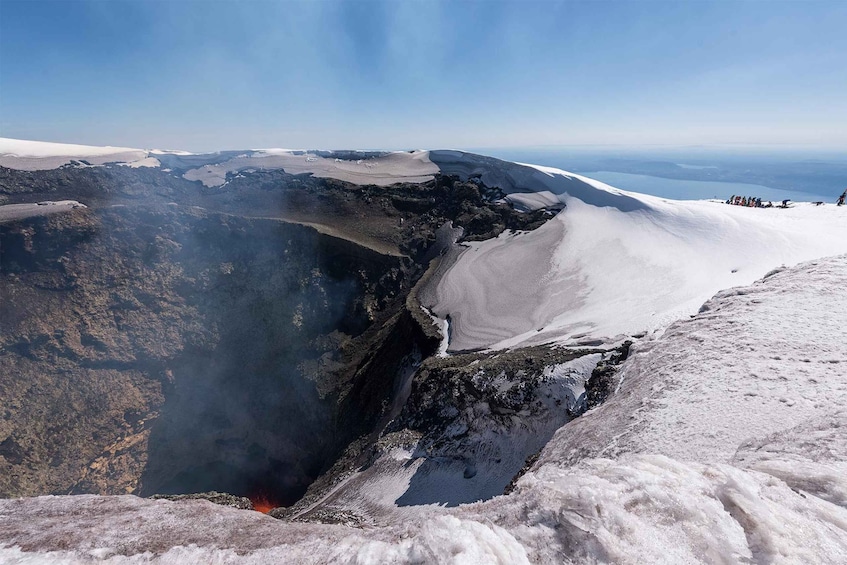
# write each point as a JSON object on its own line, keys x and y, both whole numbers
{"x": 10, "y": 212}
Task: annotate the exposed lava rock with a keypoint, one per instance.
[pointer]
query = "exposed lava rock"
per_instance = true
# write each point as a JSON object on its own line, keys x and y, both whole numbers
{"x": 603, "y": 381}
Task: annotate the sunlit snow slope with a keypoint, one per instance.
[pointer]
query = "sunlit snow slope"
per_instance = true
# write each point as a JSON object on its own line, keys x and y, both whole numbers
{"x": 613, "y": 262}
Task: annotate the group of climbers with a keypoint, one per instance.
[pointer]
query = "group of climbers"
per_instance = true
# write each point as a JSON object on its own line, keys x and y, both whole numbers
{"x": 748, "y": 201}
{"x": 751, "y": 202}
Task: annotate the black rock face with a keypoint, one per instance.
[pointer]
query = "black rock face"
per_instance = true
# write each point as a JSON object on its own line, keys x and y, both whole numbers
{"x": 175, "y": 339}
{"x": 221, "y": 498}
{"x": 603, "y": 379}
{"x": 236, "y": 328}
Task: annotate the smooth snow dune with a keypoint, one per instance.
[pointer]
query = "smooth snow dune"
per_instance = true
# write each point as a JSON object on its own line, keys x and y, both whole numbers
{"x": 483, "y": 313}
{"x": 613, "y": 262}
{"x": 42, "y": 155}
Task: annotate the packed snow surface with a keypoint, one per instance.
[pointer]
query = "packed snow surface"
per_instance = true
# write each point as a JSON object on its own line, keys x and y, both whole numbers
{"x": 10, "y": 212}
{"x": 381, "y": 170}
{"x": 146, "y": 162}
{"x": 24, "y": 148}
{"x": 612, "y": 262}
{"x": 40, "y": 155}
{"x": 377, "y": 168}
{"x": 725, "y": 443}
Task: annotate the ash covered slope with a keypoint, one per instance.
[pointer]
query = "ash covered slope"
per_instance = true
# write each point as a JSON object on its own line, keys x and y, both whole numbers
{"x": 724, "y": 443}
{"x": 613, "y": 262}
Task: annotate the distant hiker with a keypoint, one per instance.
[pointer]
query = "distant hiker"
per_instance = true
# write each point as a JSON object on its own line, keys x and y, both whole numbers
{"x": 744, "y": 201}
{"x": 785, "y": 203}
{"x": 758, "y": 203}
{"x": 842, "y": 197}
{"x": 731, "y": 200}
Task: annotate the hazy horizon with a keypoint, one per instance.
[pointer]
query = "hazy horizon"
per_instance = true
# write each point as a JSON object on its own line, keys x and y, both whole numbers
{"x": 210, "y": 76}
{"x": 740, "y": 149}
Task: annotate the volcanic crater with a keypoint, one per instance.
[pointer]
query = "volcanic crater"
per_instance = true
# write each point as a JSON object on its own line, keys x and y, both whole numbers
{"x": 171, "y": 338}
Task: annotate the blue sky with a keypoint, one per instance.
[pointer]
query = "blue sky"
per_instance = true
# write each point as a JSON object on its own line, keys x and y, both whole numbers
{"x": 402, "y": 74}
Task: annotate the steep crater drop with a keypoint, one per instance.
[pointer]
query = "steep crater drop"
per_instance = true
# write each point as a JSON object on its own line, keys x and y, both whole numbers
{"x": 178, "y": 349}
{"x": 241, "y": 338}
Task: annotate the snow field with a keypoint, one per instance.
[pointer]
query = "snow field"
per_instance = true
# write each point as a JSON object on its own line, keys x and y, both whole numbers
{"x": 615, "y": 263}
{"x": 41, "y": 155}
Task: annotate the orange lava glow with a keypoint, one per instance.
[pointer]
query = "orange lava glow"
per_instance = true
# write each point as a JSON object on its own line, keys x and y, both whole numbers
{"x": 262, "y": 503}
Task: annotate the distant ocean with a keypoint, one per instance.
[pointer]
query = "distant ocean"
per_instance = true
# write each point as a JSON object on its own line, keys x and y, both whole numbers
{"x": 697, "y": 174}
{"x": 698, "y": 189}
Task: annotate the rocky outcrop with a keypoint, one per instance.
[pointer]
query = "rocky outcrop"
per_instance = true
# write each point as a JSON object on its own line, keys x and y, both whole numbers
{"x": 220, "y": 498}
{"x": 603, "y": 378}
{"x": 467, "y": 424}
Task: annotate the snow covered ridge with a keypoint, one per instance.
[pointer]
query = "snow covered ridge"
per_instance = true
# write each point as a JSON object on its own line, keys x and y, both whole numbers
{"x": 532, "y": 187}
{"x": 613, "y": 263}
{"x": 725, "y": 443}
{"x": 27, "y": 155}
{"x": 379, "y": 168}
{"x": 41, "y": 155}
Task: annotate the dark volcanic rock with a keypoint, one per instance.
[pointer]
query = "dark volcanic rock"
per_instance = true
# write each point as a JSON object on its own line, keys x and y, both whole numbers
{"x": 472, "y": 419}
{"x": 172, "y": 349}
{"x": 172, "y": 338}
{"x": 507, "y": 382}
{"x": 602, "y": 381}
{"x": 222, "y": 498}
